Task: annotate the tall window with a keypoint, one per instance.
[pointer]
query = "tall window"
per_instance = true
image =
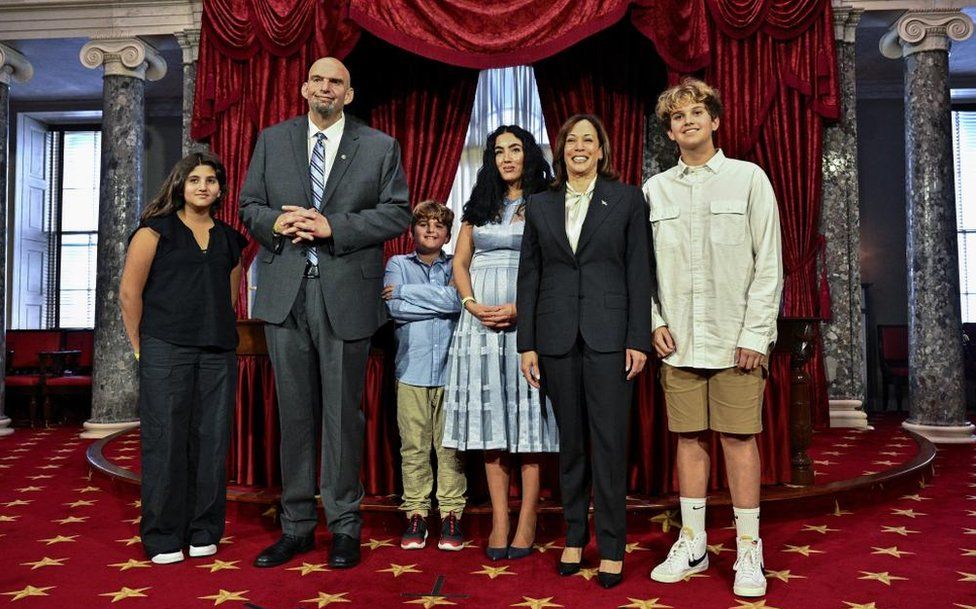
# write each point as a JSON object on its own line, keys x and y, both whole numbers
{"x": 964, "y": 144}
{"x": 505, "y": 96}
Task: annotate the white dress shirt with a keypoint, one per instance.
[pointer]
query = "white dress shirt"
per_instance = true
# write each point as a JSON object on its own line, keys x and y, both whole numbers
{"x": 332, "y": 136}
{"x": 718, "y": 258}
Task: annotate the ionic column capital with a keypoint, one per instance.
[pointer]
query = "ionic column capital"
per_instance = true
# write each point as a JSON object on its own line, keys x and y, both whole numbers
{"x": 189, "y": 40}
{"x": 846, "y": 19}
{"x": 14, "y": 66}
{"x": 918, "y": 31}
{"x": 132, "y": 57}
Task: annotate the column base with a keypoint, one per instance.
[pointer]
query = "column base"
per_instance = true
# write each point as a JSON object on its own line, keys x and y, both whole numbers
{"x": 848, "y": 413}
{"x": 5, "y": 429}
{"x": 944, "y": 434}
{"x": 96, "y": 431}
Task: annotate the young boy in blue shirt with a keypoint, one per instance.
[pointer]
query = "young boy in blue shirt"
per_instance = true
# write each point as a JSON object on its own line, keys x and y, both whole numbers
{"x": 420, "y": 295}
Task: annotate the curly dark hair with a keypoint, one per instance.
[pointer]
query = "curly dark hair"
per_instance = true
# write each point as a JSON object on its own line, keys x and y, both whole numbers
{"x": 488, "y": 194}
{"x": 169, "y": 199}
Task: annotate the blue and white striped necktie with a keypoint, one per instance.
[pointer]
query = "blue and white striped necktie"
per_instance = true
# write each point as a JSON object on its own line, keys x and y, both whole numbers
{"x": 316, "y": 170}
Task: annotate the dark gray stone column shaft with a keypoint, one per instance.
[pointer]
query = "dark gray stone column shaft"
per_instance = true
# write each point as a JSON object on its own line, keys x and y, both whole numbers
{"x": 127, "y": 63}
{"x": 190, "y": 43}
{"x": 13, "y": 67}
{"x": 936, "y": 383}
{"x": 840, "y": 224}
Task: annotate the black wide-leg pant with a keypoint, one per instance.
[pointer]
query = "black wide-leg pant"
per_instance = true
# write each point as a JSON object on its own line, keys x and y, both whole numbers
{"x": 186, "y": 397}
{"x": 591, "y": 399}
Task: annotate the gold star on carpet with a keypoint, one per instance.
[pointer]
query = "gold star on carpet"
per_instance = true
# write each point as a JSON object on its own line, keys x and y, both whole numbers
{"x": 125, "y": 593}
{"x": 667, "y": 520}
{"x": 884, "y": 462}
{"x": 131, "y": 564}
{"x": 890, "y": 453}
{"x": 123, "y": 457}
{"x": 823, "y": 529}
{"x": 923, "y": 485}
{"x": 899, "y": 530}
{"x": 543, "y": 548}
{"x": 81, "y": 503}
{"x": 59, "y": 539}
{"x": 892, "y": 551}
{"x": 967, "y": 577}
{"x": 17, "y": 502}
{"x": 843, "y": 445}
{"x": 964, "y": 606}
{"x": 884, "y": 577}
{"x": 430, "y": 601}
{"x": 825, "y": 462}
{"x": 220, "y": 565}
{"x": 834, "y": 453}
{"x": 916, "y": 497}
{"x": 718, "y": 548}
{"x": 22, "y": 450}
{"x": 860, "y": 605}
{"x": 783, "y": 576}
{"x": 88, "y": 489}
{"x": 30, "y": 489}
{"x": 324, "y": 599}
{"x": 131, "y": 541}
{"x": 971, "y": 497}
{"x": 633, "y": 547}
{"x": 398, "y": 570}
{"x": 756, "y": 605}
{"x": 45, "y": 562}
{"x": 868, "y": 472}
{"x": 911, "y": 513}
{"x": 372, "y": 544}
{"x": 5, "y": 518}
{"x": 10, "y": 458}
{"x": 71, "y": 519}
{"x": 839, "y": 512}
{"x": 308, "y": 567}
{"x": 40, "y": 477}
{"x": 56, "y": 458}
{"x": 4, "y": 466}
{"x": 536, "y": 603}
{"x": 28, "y": 591}
{"x": 971, "y": 512}
{"x": 804, "y": 550}
{"x": 223, "y": 596}
{"x": 968, "y": 531}
{"x": 135, "y": 520}
{"x": 468, "y": 544}
{"x": 271, "y": 512}
{"x": 137, "y": 503}
{"x": 651, "y": 603}
{"x": 587, "y": 574}
{"x": 226, "y": 540}
{"x": 493, "y": 572}
{"x": 50, "y": 466}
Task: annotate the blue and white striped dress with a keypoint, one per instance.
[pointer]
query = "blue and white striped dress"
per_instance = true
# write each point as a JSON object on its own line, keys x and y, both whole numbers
{"x": 488, "y": 405}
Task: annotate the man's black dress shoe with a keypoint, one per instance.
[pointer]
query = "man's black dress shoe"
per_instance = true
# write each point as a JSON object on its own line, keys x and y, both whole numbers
{"x": 284, "y": 550}
{"x": 345, "y": 551}
{"x": 609, "y": 580}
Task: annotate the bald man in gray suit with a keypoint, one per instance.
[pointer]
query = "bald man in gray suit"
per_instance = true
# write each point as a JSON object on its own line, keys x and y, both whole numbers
{"x": 322, "y": 194}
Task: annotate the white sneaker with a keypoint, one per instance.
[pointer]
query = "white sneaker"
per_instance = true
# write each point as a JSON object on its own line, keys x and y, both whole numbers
{"x": 750, "y": 580}
{"x": 167, "y": 558}
{"x": 198, "y": 551}
{"x": 687, "y": 556}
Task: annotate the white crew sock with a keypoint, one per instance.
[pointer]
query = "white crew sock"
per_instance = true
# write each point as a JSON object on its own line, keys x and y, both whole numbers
{"x": 693, "y": 514}
{"x": 746, "y": 523}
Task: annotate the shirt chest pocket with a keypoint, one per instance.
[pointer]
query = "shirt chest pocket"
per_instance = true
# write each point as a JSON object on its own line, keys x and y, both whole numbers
{"x": 728, "y": 222}
{"x": 666, "y": 225}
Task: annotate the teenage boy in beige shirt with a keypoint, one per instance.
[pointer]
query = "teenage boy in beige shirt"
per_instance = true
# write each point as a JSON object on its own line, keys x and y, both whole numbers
{"x": 719, "y": 281}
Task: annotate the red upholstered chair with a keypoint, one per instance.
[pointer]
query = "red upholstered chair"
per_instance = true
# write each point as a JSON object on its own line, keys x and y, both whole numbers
{"x": 24, "y": 374}
{"x": 68, "y": 382}
{"x": 893, "y": 355}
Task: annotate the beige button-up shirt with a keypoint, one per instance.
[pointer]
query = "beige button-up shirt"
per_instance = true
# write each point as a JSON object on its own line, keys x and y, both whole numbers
{"x": 718, "y": 258}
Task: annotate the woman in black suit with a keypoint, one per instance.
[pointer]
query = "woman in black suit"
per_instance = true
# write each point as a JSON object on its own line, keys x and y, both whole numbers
{"x": 584, "y": 306}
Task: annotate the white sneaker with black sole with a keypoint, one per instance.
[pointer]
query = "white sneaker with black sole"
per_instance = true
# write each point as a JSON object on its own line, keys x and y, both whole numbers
{"x": 750, "y": 579}
{"x": 688, "y": 555}
{"x": 167, "y": 558}
{"x": 200, "y": 551}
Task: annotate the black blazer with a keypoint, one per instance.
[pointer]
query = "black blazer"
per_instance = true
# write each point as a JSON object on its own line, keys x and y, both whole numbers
{"x": 603, "y": 292}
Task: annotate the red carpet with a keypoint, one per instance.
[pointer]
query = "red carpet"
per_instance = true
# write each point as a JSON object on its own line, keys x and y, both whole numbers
{"x": 68, "y": 540}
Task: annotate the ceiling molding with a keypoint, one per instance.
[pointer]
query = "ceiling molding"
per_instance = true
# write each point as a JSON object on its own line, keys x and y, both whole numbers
{"x": 36, "y": 19}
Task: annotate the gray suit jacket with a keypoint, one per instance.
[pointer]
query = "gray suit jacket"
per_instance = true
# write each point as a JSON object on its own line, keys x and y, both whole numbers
{"x": 365, "y": 202}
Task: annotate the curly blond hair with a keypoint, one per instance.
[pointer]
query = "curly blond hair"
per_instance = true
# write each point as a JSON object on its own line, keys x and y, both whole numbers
{"x": 688, "y": 91}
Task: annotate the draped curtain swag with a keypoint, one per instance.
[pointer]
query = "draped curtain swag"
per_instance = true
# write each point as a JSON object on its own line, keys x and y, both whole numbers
{"x": 773, "y": 61}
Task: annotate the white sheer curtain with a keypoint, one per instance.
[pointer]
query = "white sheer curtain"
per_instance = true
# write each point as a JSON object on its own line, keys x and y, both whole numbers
{"x": 505, "y": 96}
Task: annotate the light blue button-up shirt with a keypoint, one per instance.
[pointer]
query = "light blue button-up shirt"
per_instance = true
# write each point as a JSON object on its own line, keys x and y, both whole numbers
{"x": 425, "y": 310}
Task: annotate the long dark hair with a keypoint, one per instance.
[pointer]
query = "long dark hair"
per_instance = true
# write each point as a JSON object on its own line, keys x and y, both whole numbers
{"x": 605, "y": 169}
{"x": 488, "y": 194}
{"x": 169, "y": 199}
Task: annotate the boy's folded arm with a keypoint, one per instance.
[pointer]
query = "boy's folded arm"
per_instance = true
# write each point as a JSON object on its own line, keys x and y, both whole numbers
{"x": 440, "y": 298}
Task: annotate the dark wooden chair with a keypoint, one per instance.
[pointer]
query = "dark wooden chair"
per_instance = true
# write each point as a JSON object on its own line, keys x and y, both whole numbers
{"x": 25, "y": 375}
{"x": 893, "y": 356}
{"x": 969, "y": 357}
{"x": 68, "y": 377}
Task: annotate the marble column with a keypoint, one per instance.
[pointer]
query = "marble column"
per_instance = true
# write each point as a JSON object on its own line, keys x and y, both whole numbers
{"x": 190, "y": 43}
{"x": 660, "y": 153}
{"x": 127, "y": 63}
{"x": 14, "y": 67}
{"x": 840, "y": 224}
{"x": 936, "y": 385}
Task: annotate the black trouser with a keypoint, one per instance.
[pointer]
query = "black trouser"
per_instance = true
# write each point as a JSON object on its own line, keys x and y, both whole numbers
{"x": 319, "y": 379}
{"x": 591, "y": 399}
{"x": 186, "y": 396}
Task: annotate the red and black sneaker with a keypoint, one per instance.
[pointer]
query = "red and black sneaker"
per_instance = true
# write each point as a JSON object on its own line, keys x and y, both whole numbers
{"x": 415, "y": 535}
{"x": 452, "y": 538}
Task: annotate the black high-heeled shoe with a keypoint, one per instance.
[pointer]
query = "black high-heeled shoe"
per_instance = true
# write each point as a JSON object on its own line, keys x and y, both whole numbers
{"x": 609, "y": 580}
{"x": 496, "y": 553}
{"x": 515, "y": 552}
{"x": 569, "y": 568}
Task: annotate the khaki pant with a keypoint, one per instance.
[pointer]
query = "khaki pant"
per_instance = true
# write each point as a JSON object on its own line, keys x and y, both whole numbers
{"x": 727, "y": 400}
{"x": 420, "y": 416}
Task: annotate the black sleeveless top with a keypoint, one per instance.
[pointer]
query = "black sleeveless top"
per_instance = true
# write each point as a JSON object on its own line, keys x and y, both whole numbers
{"x": 186, "y": 300}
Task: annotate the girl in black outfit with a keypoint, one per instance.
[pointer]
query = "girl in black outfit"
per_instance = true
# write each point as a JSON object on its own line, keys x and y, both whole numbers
{"x": 178, "y": 293}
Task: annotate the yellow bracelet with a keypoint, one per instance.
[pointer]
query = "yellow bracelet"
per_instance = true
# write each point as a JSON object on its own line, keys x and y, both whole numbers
{"x": 136, "y": 353}
{"x": 466, "y": 300}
